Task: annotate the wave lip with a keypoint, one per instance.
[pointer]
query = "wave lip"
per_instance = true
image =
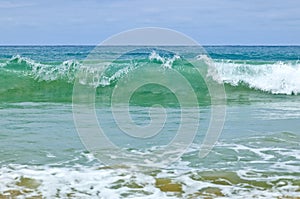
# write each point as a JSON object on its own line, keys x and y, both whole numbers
{"x": 275, "y": 78}
{"x": 166, "y": 62}
{"x": 41, "y": 71}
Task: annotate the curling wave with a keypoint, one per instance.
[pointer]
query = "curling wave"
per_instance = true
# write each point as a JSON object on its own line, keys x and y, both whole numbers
{"x": 24, "y": 79}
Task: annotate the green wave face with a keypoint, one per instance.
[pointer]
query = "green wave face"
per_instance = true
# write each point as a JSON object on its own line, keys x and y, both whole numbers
{"x": 24, "y": 79}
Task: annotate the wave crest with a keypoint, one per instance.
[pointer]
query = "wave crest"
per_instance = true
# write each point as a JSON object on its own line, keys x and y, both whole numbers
{"x": 275, "y": 78}
{"x": 166, "y": 62}
{"x": 42, "y": 72}
{"x": 272, "y": 77}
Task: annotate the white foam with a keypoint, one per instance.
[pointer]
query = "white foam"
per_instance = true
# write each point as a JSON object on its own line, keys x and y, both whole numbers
{"x": 166, "y": 62}
{"x": 276, "y": 78}
{"x": 94, "y": 182}
{"x": 80, "y": 181}
{"x": 45, "y": 72}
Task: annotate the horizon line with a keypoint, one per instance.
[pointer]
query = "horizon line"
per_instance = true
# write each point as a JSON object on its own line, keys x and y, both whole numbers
{"x": 250, "y": 45}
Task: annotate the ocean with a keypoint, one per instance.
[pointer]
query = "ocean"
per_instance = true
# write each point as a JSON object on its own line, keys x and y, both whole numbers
{"x": 45, "y": 153}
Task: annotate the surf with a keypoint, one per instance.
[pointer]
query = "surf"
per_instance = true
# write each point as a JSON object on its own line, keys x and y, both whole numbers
{"x": 25, "y": 79}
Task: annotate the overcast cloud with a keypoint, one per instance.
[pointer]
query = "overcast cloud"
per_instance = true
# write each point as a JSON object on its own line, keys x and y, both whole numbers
{"x": 207, "y": 21}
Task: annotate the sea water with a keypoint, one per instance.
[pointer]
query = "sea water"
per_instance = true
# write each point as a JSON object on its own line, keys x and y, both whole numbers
{"x": 256, "y": 156}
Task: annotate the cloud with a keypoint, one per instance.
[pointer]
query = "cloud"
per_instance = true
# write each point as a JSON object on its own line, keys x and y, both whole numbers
{"x": 212, "y": 21}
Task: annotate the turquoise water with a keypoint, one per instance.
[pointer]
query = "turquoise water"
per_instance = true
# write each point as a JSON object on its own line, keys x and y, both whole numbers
{"x": 257, "y": 154}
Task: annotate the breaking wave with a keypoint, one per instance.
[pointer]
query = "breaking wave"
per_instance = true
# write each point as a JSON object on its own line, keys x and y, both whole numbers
{"x": 24, "y": 79}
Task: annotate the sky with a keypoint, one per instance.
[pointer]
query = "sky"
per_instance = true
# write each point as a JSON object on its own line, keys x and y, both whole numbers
{"x": 209, "y": 22}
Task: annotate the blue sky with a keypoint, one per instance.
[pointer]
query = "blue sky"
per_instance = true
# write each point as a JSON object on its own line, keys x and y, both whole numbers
{"x": 206, "y": 21}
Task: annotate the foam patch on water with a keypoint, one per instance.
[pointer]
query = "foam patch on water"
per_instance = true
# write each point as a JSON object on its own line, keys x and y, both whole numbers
{"x": 240, "y": 169}
{"x": 103, "y": 182}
